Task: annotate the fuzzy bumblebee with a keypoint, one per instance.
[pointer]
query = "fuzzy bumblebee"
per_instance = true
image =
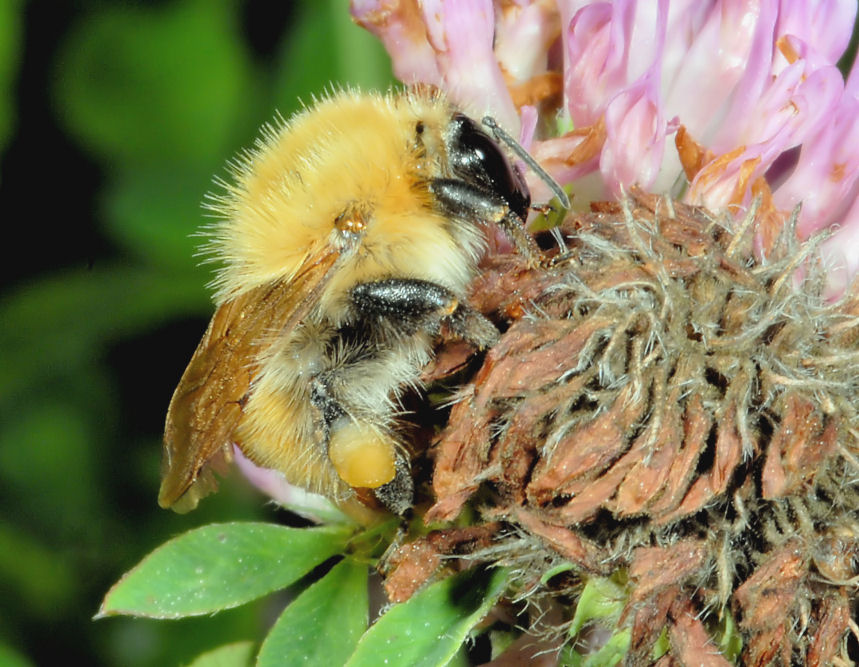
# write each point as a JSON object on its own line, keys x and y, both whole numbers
{"x": 347, "y": 238}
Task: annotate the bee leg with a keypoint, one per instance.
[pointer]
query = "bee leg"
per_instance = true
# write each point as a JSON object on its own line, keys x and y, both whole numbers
{"x": 354, "y": 429}
{"x": 362, "y": 450}
{"x": 330, "y": 410}
{"x": 398, "y": 495}
{"x": 467, "y": 202}
{"x": 363, "y": 456}
{"x": 471, "y": 326}
{"x": 420, "y": 305}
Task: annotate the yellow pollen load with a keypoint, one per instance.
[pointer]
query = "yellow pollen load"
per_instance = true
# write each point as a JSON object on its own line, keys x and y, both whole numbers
{"x": 362, "y": 457}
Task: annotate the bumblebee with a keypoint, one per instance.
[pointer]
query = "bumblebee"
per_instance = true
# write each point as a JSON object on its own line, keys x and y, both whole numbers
{"x": 347, "y": 238}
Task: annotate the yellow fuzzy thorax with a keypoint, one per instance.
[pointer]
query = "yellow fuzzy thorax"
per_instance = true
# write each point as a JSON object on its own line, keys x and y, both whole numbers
{"x": 303, "y": 173}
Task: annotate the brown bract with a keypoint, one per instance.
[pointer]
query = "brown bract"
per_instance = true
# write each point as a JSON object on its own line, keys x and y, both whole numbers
{"x": 414, "y": 563}
{"x": 666, "y": 401}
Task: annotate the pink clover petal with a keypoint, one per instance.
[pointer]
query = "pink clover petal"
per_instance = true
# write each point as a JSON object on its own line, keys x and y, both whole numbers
{"x": 398, "y": 25}
{"x": 774, "y": 110}
{"x": 851, "y": 87}
{"x": 461, "y": 32}
{"x": 842, "y": 251}
{"x": 705, "y": 61}
{"x": 718, "y": 189}
{"x": 826, "y": 176}
{"x": 528, "y": 116}
{"x": 792, "y": 109}
{"x": 589, "y": 184}
{"x": 689, "y": 23}
{"x": 826, "y": 29}
{"x": 752, "y": 81}
{"x": 756, "y": 75}
{"x": 596, "y": 54}
{"x": 634, "y": 119}
{"x": 552, "y": 154}
{"x": 789, "y": 113}
{"x": 820, "y": 88}
{"x": 271, "y": 482}
{"x": 646, "y": 37}
{"x": 568, "y": 9}
{"x": 524, "y": 33}
{"x": 311, "y": 506}
{"x": 635, "y": 138}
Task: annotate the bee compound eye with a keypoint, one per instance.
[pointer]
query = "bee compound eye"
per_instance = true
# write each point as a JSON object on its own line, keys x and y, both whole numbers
{"x": 478, "y": 160}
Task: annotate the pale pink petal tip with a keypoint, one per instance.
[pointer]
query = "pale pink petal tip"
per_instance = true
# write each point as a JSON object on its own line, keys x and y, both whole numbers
{"x": 310, "y": 506}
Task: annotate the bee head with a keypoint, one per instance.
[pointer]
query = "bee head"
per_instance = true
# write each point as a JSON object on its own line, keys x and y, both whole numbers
{"x": 475, "y": 158}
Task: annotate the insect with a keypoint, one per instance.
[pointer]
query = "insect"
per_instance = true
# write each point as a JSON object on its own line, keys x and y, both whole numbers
{"x": 347, "y": 239}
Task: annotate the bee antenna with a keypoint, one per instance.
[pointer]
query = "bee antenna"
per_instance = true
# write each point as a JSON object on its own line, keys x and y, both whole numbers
{"x": 522, "y": 154}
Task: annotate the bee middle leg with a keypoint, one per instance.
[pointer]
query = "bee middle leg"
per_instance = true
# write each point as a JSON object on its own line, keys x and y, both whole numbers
{"x": 406, "y": 306}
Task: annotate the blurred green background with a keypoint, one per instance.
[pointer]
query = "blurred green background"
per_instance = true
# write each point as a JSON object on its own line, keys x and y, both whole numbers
{"x": 114, "y": 117}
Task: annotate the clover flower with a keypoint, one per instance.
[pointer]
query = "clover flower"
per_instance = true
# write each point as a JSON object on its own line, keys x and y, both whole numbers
{"x": 714, "y": 103}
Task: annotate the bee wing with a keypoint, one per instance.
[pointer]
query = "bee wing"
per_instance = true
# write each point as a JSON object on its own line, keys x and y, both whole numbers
{"x": 207, "y": 404}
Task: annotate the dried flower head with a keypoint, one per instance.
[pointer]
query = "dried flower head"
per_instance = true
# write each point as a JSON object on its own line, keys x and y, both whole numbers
{"x": 667, "y": 404}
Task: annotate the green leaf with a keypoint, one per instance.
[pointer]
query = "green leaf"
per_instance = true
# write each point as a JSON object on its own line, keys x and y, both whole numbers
{"x": 157, "y": 213}
{"x": 429, "y": 628}
{"x": 728, "y": 637}
{"x": 460, "y": 658}
{"x": 219, "y": 567}
{"x": 612, "y": 653}
{"x": 558, "y": 569}
{"x": 141, "y": 85}
{"x": 335, "y": 607}
{"x": 238, "y": 654}
{"x": 10, "y": 43}
{"x": 11, "y": 658}
{"x": 601, "y": 598}
{"x": 661, "y": 645}
{"x": 342, "y": 54}
{"x": 500, "y": 640}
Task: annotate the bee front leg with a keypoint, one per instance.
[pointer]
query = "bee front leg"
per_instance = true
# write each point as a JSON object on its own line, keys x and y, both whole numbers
{"x": 464, "y": 201}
